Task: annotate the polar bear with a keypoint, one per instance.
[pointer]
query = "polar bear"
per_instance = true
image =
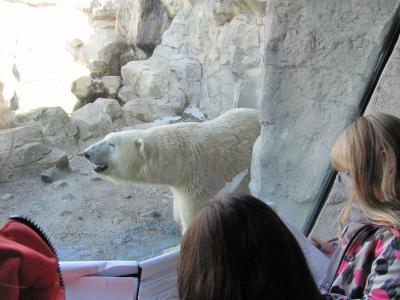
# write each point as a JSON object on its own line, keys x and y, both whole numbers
{"x": 196, "y": 160}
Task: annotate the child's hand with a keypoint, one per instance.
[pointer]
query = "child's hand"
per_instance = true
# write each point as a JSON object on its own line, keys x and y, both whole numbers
{"x": 325, "y": 246}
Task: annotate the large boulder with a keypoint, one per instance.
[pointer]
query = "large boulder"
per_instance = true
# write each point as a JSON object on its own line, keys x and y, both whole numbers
{"x": 110, "y": 107}
{"x": 55, "y": 125}
{"x": 111, "y": 86}
{"x": 137, "y": 111}
{"x": 19, "y": 136}
{"x": 98, "y": 118}
{"x": 168, "y": 81}
{"x": 24, "y": 149}
{"x": 113, "y": 56}
{"x": 27, "y": 154}
{"x": 90, "y": 123}
{"x": 87, "y": 89}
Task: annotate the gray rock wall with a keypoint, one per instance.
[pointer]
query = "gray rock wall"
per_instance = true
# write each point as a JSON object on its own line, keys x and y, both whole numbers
{"x": 318, "y": 57}
{"x": 227, "y": 38}
{"x": 386, "y": 98}
{"x": 222, "y": 40}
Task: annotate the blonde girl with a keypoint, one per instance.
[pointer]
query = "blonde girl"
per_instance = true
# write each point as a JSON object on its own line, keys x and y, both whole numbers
{"x": 367, "y": 263}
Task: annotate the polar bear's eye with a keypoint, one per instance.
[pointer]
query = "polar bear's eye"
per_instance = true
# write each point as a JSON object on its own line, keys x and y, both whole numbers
{"x": 111, "y": 144}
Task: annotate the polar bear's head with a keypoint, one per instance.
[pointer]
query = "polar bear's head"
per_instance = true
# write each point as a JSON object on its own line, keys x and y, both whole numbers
{"x": 118, "y": 156}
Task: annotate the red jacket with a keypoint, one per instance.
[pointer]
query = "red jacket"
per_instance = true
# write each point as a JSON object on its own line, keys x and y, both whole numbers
{"x": 28, "y": 263}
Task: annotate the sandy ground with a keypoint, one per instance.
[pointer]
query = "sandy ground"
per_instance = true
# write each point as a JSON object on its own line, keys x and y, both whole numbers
{"x": 89, "y": 218}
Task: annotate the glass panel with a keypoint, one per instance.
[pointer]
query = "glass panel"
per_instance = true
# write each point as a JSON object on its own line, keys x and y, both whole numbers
{"x": 74, "y": 71}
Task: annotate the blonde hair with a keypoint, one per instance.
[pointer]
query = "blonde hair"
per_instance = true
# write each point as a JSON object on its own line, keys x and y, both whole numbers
{"x": 369, "y": 151}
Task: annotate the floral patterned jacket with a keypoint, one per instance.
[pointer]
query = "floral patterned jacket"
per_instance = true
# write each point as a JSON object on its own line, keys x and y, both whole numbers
{"x": 367, "y": 265}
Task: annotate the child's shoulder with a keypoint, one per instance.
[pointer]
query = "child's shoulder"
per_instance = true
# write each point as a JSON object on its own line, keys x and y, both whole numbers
{"x": 387, "y": 238}
{"x": 367, "y": 235}
{"x": 391, "y": 234}
{"x": 385, "y": 232}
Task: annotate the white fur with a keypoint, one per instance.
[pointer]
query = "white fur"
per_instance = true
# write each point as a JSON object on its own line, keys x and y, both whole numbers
{"x": 196, "y": 160}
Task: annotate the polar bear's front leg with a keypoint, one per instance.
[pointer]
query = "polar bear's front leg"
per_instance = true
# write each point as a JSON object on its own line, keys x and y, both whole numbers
{"x": 179, "y": 209}
{"x": 176, "y": 208}
{"x": 187, "y": 205}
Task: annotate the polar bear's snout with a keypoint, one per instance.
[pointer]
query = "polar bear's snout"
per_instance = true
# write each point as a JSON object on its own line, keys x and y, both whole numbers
{"x": 98, "y": 154}
{"x": 88, "y": 153}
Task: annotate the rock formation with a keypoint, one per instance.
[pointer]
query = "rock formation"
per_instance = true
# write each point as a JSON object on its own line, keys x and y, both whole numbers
{"x": 210, "y": 56}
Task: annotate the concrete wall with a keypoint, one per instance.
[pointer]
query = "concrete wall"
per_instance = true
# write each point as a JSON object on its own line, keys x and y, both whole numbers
{"x": 386, "y": 98}
{"x": 318, "y": 56}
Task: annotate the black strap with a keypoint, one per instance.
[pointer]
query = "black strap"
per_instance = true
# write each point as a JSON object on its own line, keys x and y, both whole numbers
{"x": 137, "y": 275}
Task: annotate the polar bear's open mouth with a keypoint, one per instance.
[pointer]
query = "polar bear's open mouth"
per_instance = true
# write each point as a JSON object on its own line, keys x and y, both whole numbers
{"x": 100, "y": 168}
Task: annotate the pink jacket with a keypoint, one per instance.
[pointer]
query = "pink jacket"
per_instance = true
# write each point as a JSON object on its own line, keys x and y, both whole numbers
{"x": 367, "y": 265}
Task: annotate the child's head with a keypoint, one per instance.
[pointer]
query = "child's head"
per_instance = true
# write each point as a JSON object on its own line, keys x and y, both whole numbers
{"x": 369, "y": 151}
{"x": 238, "y": 248}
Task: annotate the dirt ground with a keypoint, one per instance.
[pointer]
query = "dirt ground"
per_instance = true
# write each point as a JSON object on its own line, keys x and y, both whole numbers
{"x": 89, "y": 218}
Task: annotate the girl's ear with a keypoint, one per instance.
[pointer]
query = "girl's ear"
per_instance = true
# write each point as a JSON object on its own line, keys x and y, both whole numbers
{"x": 139, "y": 145}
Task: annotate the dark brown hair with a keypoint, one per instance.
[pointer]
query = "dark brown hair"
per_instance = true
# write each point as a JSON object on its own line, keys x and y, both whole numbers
{"x": 238, "y": 248}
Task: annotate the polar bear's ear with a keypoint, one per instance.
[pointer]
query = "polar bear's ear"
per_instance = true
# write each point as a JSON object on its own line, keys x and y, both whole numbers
{"x": 139, "y": 145}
